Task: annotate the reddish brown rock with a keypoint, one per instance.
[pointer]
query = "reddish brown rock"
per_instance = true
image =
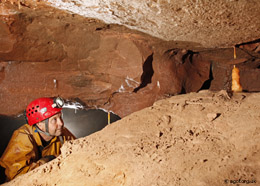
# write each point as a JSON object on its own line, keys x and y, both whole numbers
{"x": 47, "y": 52}
{"x": 251, "y": 46}
{"x": 103, "y": 66}
{"x": 182, "y": 71}
{"x": 6, "y": 39}
{"x": 222, "y": 61}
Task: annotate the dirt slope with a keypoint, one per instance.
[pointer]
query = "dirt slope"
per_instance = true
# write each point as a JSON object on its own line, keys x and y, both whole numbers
{"x": 194, "y": 139}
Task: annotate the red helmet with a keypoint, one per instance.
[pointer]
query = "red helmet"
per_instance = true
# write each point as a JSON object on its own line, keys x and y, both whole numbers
{"x": 41, "y": 109}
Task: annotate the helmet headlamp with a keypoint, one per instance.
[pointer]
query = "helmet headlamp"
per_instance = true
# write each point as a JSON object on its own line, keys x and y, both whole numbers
{"x": 58, "y": 103}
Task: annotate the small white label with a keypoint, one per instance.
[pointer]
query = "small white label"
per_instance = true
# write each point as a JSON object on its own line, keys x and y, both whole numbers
{"x": 43, "y": 110}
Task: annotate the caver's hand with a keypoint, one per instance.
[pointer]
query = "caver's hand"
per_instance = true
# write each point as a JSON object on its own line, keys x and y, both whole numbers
{"x": 46, "y": 159}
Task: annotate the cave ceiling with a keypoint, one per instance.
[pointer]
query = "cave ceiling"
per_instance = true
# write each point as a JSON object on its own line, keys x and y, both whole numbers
{"x": 218, "y": 23}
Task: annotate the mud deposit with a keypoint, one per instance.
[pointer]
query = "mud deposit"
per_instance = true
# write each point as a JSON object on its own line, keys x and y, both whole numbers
{"x": 200, "y": 138}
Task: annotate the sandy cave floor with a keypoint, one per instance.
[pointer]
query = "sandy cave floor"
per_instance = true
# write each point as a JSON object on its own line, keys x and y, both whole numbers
{"x": 205, "y": 138}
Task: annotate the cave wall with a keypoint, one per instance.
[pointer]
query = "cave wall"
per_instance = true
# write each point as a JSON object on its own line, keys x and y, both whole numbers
{"x": 48, "y": 52}
{"x": 101, "y": 65}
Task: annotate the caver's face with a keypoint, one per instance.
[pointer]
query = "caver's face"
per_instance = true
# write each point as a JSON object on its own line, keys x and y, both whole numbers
{"x": 56, "y": 125}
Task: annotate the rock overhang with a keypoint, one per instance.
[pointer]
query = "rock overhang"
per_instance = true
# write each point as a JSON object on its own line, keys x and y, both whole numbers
{"x": 208, "y": 23}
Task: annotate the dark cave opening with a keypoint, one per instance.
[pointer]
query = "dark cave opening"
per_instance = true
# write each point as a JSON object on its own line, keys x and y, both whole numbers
{"x": 183, "y": 91}
{"x": 85, "y": 122}
{"x": 148, "y": 72}
{"x": 247, "y": 43}
{"x": 206, "y": 85}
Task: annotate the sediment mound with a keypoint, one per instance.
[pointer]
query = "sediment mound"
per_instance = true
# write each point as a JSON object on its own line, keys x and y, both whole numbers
{"x": 205, "y": 138}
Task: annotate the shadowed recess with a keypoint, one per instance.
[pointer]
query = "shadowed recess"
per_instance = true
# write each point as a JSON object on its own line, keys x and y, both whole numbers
{"x": 206, "y": 84}
{"x": 148, "y": 72}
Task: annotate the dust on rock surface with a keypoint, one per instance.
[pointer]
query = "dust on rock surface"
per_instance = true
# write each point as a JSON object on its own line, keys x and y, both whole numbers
{"x": 200, "y": 138}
